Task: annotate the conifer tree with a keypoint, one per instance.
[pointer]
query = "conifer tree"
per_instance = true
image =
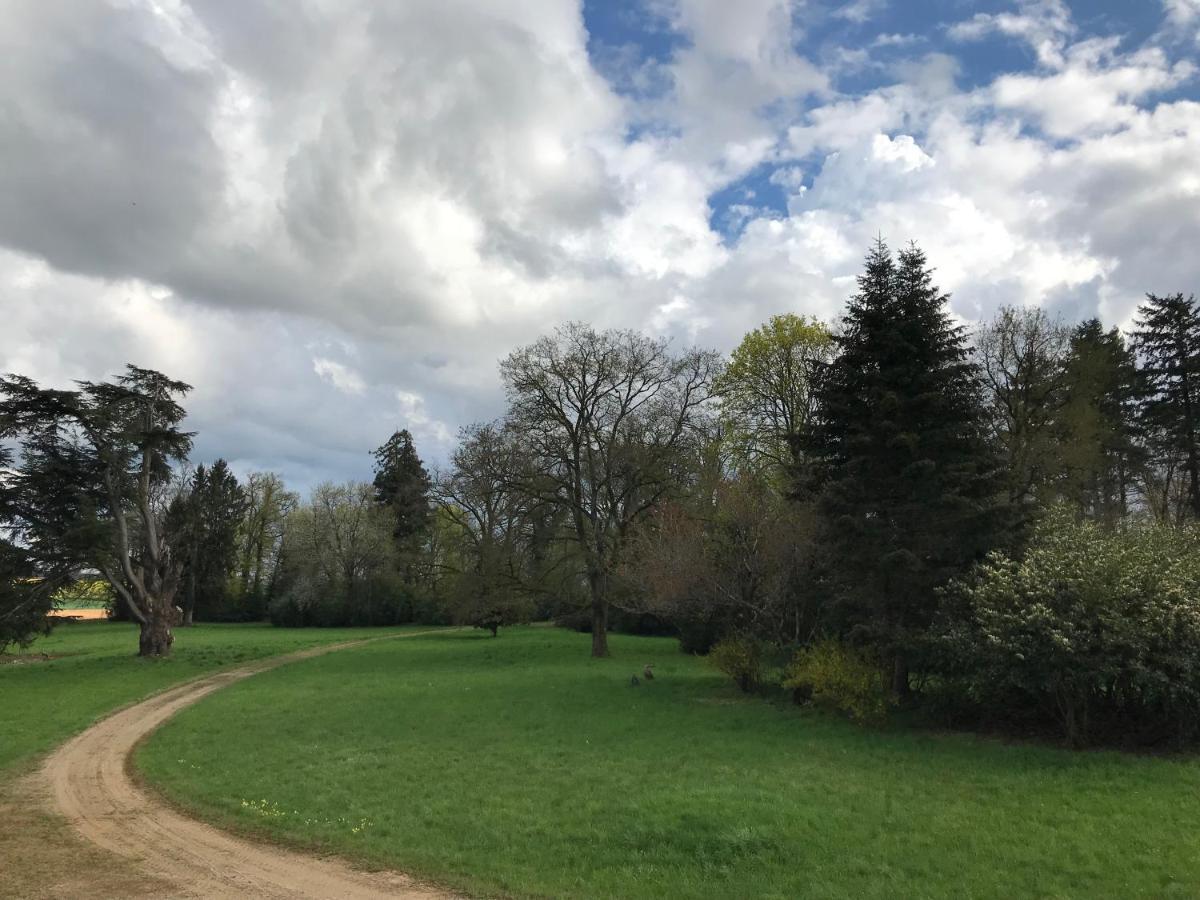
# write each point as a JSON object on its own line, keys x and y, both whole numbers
{"x": 1168, "y": 345}
{"x": 207, "y": 521}
{"x": 402, "y": 486}
{"x": 907, "y": 484}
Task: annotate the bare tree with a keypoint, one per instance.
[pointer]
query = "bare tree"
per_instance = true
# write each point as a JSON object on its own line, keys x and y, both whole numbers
{"x": 606, "y": 417}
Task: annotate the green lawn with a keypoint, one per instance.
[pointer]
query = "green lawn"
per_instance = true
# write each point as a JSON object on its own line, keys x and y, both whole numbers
{"x": 518, "y": 766}
{"x": 95, "y": 670}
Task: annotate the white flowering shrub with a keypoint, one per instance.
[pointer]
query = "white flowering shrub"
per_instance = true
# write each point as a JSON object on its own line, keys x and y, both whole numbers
{"x": 1097, "y": 628}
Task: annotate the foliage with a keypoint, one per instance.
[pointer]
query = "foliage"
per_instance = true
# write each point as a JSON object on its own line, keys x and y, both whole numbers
{"x": 840, "y": 677}
{"x": 742, "y": 658}
{"x": 906, "y": 481}
{"x": 339, "y": 563}
{"x": 204, "y": 533}
{"x": 606, "y": 418}
{"x": 1168, "y": 343}
{"x": 88, "y": 483}
{"x": 260, "y": 542}
{"x": 1097, "y": 628}
{"x": 766, "y": 390}
{"x": 402, "y": 486}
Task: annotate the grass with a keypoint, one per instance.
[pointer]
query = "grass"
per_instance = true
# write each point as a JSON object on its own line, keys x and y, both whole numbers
{"x": 519, "y": 767}
{"x": 93, "y": 669}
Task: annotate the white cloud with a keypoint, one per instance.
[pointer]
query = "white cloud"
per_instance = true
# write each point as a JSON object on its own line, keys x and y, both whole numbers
{"x": 341, "y": 377}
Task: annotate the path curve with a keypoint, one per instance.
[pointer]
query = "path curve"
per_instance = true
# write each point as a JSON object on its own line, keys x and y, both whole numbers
{"x": 88, "y": 781}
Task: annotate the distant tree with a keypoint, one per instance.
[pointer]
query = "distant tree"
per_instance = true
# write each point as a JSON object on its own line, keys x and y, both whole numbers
{"x": 907, "y": 480}
{"x": 1022, "y": 356}
{"x": 766, "y": 389}
{"x": 88, "y": 482}
{"x": 1099, "y": 448}
{"x": 28, "y": 579}
{"x": 1167, "y": 341}
{"x": 207, "y": 519}
{"x": 260, "y": 537}
{"x": 606, "y": 417}
{"x": 402, "y": 485}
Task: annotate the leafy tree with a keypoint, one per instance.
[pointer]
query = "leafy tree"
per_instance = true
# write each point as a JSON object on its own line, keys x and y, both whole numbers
{"x": 1099, "y": 450}
{"x": 766, "y": 389}
{"x": 88, "y": 484}
{"x": 906, "y": 478}
{"x": 207, "y": 519}
{"x": 1167, "y": 340}
{"x": 607, "y": 417}
{"x": 260, "y": 538}
{"x": 1022, "y": 356}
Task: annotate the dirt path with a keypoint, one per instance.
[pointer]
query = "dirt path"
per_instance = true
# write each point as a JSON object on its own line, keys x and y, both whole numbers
{"x": 87, "y": 780}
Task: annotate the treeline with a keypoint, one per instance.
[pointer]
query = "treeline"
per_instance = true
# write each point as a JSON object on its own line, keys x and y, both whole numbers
{"x": 996, "y": 525}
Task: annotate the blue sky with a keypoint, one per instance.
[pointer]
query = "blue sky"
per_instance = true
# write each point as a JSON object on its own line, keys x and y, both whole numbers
{"x": 334, "y": 219}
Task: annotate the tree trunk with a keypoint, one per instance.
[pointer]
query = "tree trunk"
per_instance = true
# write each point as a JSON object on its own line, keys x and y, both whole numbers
{"x": 599, "y": 616}
{"x": 156, "y": 637}
{"x": 900, "y": 677}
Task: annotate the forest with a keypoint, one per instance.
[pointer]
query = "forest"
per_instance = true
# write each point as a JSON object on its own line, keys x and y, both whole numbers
{"x": 992, "y": 526}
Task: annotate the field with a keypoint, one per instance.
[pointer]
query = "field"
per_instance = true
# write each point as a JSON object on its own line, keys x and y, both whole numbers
{"x": 519, "y": 767}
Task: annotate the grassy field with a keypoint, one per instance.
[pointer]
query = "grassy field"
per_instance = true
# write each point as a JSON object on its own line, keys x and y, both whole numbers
{"x": 518, "y": 766}
{"x": 93, "y": 669}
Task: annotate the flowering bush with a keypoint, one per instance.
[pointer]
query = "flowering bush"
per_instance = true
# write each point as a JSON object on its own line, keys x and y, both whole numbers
{"x": 839, "y": 677}
{"x": 1099, "y": 628}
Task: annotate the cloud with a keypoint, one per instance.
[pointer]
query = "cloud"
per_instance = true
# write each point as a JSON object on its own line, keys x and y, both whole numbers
{"x": 333, "y": 219}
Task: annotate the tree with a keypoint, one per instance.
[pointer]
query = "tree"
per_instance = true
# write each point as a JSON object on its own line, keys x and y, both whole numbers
{"x": 1022, "y": 355}
{"x": 402, "y": 486}
{"x": 28, "y": 582}
{"x": 88, "y": 484}
{"x": 208, "y": 517}
{"x": 1099, "y": 449}
{"x": 490, "y": 515}
{"x": 606, "y": 417}
{"x": 339, "y": 561}
{"x": 907, "y": 480}
{"x": 766, "y": 390}
{"x": 1167, "y": 340}
{"x": 260, "y": 537}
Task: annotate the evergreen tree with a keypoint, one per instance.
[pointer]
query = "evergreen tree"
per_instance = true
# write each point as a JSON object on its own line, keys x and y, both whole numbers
{"x": 908, "y": 489}
{"x": 1098, "y": 443}
{"x": 1167, "y": 340}
{"x": 402, "y": 486}
{"x": 208, "y": 518}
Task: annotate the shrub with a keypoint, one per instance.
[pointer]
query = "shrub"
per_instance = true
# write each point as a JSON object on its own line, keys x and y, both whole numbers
{"x": 1097, "y": 629}
{"x": 839, "y": 677}
{"x": 741, "y": 658}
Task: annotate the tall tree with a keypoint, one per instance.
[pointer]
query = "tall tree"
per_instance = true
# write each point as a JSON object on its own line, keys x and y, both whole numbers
{"x": 268, "y": 504}
{"x": 402, "y": 486}
{"x": 766, "y": 389}
{"x": 208, "y": 516}
{"x": 1022, "y": 356}
{"x": 607, "y": 417}
{"x": 1099, "y": 449}
{"x": 1167, "y": 340}
{"x": 88, "y": 482}
{"x": 907, "y": 479}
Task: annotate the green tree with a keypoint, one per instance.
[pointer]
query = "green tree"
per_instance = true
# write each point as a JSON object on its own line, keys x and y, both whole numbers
{"x": 208, "y": 517}
{"x": 260, "y": 537}
{"x": 907, "y": 480}
{"x": 1167, "y": 340}
{"x": 89, "y": 482}
{"x": 766, "y": 389}
{"x": 1098, "y": 447}
{"x": 402, "y": 487}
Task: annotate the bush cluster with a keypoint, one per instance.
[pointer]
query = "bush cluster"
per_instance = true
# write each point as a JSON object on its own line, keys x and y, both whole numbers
{"x": 842, "y": 678}
{"x": 1094, "y": 629}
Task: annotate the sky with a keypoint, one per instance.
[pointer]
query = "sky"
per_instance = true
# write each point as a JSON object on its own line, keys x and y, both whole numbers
{"x": 333, "y": 217}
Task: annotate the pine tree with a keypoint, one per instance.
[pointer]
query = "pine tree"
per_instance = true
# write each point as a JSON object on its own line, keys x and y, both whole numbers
{"x": 907, "y": 484}
{"x": 402, "y": 486}
{"x": 1168, "y": 345}
{"x": 207, "y": 521}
